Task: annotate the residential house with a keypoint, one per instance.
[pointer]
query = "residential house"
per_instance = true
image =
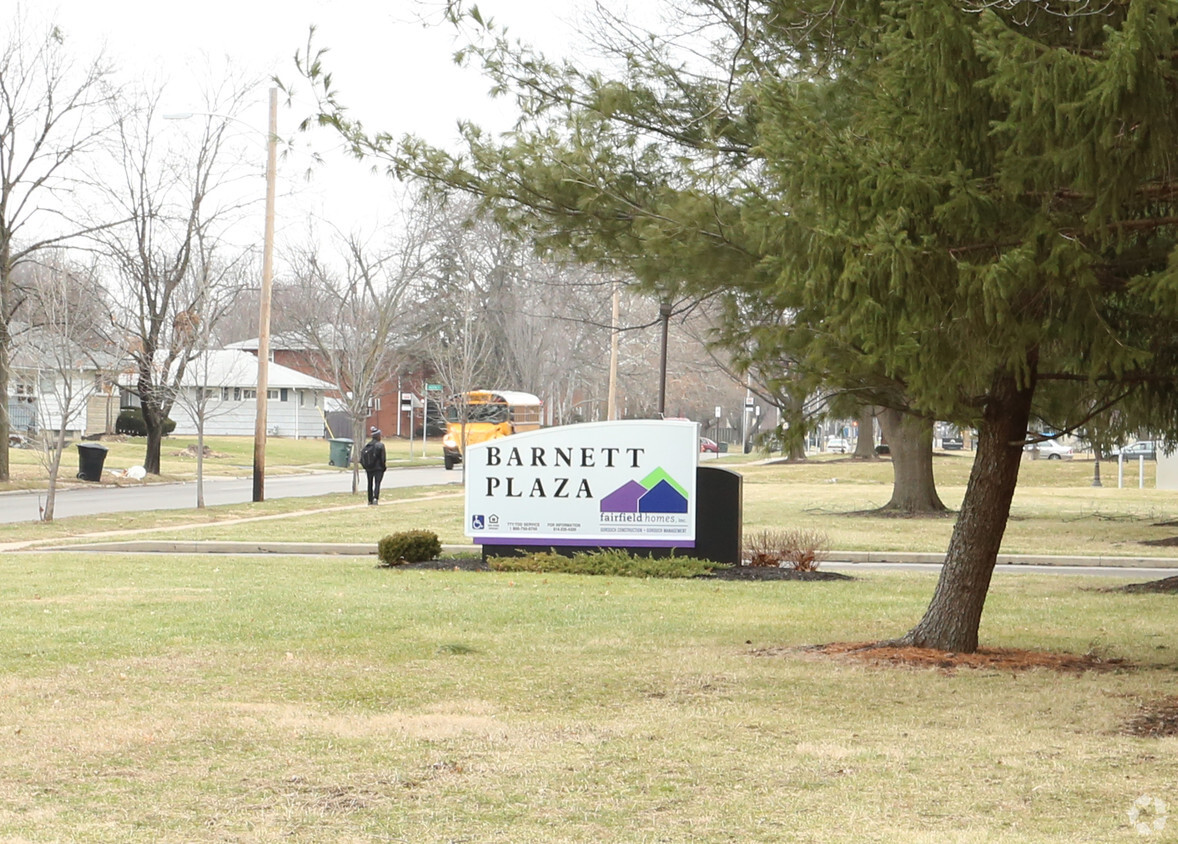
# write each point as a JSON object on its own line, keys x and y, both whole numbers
{"x": 386, "y": 411}
{"x": 222, "y": 384}
{"x": 49, "y": 383}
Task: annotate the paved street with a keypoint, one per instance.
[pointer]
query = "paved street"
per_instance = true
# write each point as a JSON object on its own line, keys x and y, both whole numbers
{"x": 91, "y": 500}
{"x": 1130, "y": 572}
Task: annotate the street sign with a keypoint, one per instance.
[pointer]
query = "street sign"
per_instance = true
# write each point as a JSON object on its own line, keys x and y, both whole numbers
{"x": 433, "y": 388}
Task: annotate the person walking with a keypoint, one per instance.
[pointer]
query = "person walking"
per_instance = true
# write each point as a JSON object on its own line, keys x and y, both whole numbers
{"x": 372, "y": 459}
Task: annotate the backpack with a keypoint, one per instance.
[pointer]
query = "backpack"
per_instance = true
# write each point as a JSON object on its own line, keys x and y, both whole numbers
{"x": 368, "y": 458}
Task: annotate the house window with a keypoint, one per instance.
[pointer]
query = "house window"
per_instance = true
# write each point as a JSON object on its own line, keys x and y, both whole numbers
{"x": 374, "y": 404}
{"x": 248, "y": 394}
{"x": 302, "y": 397}
{"x": 23, "y": 391}
{"x": 224, "y": 394}
{"x": 237, "y": 393}
{"x": 285, "y": 394}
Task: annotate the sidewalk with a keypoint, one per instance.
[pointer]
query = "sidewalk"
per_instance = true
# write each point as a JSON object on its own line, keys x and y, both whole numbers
{"x": 361, "y": 549}
{"x": 108, "y": 542}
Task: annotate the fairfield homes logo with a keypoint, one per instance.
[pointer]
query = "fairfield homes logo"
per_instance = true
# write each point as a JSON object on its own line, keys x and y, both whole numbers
{"x": 635, "y": 501}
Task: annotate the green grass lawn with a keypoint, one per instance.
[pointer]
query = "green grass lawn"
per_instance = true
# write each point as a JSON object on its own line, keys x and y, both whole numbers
{"x": 1056, "y": 511}
{"x": 231, "y": 457}
{"x": 211, "y": 698}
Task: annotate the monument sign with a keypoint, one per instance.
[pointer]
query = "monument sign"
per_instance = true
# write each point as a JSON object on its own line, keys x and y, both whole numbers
{"x": 630, "y": 483}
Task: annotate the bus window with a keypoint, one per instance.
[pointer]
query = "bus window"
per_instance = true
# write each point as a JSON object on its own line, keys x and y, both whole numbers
{"x": 482, "y": 415}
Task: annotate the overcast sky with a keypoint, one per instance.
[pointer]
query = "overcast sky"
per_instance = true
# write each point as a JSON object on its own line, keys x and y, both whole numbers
{"x": 396, "y": 74}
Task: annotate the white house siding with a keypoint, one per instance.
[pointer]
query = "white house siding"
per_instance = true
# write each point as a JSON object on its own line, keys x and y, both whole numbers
{"x": 102, "y": 409}
{"x": 48, "y": 403}
{"x": 236, "y": 418}
{"x": 231, "y": 376}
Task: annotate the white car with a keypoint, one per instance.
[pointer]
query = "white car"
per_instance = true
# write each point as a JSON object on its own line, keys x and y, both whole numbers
{"x": 838, "y": 445}
{"x": 1051, "y": 450}
{"x": 1142, "y": 448}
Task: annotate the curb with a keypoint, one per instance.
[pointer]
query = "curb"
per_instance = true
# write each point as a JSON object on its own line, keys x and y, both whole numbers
{"x": 368, "y": 549}
{"x": 919, "y": 558}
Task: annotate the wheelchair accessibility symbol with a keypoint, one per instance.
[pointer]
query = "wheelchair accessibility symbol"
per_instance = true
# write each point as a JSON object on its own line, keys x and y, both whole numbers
{"x": 478, "y": 522}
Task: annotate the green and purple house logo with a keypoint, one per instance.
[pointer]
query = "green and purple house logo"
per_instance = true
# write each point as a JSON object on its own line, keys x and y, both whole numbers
{"x": 656, "y": 493}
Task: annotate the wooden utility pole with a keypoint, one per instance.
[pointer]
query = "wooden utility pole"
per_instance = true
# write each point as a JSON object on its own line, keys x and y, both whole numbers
{"x": 611, "y": 402}
{"x": 665, "y": 319}
{"x": 264, "y": 306}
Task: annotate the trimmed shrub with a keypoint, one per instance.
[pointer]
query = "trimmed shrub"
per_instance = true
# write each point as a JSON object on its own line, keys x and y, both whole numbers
{"x": 611, "y": 561}
{"x": 800, "y": 550}
{"x": 410, "y": 546}
{"x": 130, "y": 422}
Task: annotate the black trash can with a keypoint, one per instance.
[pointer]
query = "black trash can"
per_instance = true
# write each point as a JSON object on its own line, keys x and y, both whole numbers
{"x": 91, "y": 456}
{"x": 341, "y": 452}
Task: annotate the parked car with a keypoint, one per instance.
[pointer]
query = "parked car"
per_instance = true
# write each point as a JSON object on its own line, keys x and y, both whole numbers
{"x": 1051, "y": 450}
{"x": 838, "y": 445}
{"x": 1142, "y": 448}
{"x": 706, "y": 445}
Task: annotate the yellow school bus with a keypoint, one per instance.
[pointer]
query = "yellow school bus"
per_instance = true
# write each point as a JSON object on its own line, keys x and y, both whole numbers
{"x": 481, "y": 415}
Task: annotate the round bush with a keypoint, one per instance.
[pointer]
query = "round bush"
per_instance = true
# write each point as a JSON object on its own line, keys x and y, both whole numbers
{"x": 130, "y": 422}
{"x": 410, "y": 546}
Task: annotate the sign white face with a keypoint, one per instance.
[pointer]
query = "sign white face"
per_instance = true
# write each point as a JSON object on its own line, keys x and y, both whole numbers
{"x": 629, "y": 483}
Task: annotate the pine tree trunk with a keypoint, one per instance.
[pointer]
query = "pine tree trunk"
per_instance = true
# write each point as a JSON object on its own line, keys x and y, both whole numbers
{"x": 953, "y": 616}
{"x": 865, "y": 444}
{"x": 910, "y": 439}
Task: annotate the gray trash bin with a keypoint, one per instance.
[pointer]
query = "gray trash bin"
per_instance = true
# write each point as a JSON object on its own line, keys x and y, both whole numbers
{"x": 91, "y": 456}
{"x": 341, "y": 452}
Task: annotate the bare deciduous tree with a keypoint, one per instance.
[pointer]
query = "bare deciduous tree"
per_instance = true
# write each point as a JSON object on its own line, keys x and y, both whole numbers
{"x": 50, "y": 107}
{"x": 216, "y": 286}
{"x": 175, "y": 192}
{"x": 350, "y": 320}
{"x": 68, "y": 350}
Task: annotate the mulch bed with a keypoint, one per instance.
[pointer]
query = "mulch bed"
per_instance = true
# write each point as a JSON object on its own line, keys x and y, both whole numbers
{"x": 1156, "y": 720}
{"x": 1165, "y": 585}
{"x": 474, "y": 563}
{"x": 773, "y": 573}
{"x": 999, "y": 659}
{"x": 1165, "y": 542}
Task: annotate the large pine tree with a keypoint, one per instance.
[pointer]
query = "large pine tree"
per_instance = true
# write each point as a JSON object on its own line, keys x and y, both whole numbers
{"x": 966, "y": 210}
{"x": 982, "y": 199}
